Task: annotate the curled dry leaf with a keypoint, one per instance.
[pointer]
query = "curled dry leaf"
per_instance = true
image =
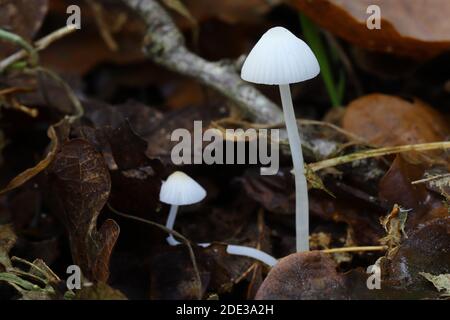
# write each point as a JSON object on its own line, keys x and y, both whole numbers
{"x": 396, "y": 188}
{"x": 409, "y": 28}
{"x": 136, "y": 178}
{"x": 441, "y": 282}
{"x": 390, "y": 121}
{"x": 394, "y": 224}
{"x": 57, "y": 134}
{"x": 425, "y": 250}
{"x": 22, "y": 17}
{"x": 303, "y": 276}
{"x": 80, "y": 184}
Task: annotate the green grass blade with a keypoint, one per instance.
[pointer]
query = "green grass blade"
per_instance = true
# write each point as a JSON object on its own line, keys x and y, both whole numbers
{"x": 314, "y": 40}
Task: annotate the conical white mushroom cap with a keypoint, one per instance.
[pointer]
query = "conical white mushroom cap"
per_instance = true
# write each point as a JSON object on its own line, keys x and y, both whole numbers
{"x": 180, "y": 189}
{"x": 279, "y": 57}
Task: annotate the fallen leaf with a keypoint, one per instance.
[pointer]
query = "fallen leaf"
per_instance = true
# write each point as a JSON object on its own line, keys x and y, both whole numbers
{"x": 394, "y": 225}
{"x": 35, "y": 282}
{"x": 391, "y": 121}
{"x": 21, "y": 17}
{"x": 396, "y": 188}
{"x": 411, "y": 28}
{"x": 303, "y": 276}
{"x": 57, "y": 134}
{"x": 80, "y": 184}
{"x": 425, "y": 250}
{"x": 441, "y": 282}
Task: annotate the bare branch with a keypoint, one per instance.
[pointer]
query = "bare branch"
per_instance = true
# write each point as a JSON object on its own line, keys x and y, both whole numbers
{"x": 165, "y": 45}
{"x": 41, "y": 44}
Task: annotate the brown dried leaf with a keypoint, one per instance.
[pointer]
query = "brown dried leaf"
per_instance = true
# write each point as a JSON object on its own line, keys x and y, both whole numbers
{"x": 394, "y": 224}
{"x": 396, "y": 188}
{"x": 425, "y": 250}
{"x": 57, "y": 134}
{"x": 313, "y": 275}
{"x": 441, "y": 282}
{"x": 391, "y": 121}
{"x": 80, "y": 184}
{"x": 418, "y": 29}
{"x": 303, "y": 276}
{"x": 22, "y": 17}
{"x": 136, "y": 178}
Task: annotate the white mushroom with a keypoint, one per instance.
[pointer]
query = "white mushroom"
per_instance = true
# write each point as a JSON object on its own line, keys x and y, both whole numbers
{"x": 179, "y": 189}
{"x": 280, "y": 58}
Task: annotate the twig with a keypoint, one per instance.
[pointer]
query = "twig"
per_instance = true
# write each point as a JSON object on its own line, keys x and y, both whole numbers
{"x": 436, "y": 177}
{"x": 377, "y": 153}
{"x": 41, "y": 44}
{"x": 30, "y": 264}
{"x": 304, "y": 122}
{"x": 32, "y": 112}
{"x": 102, "y": 25}
{"x": 14, "y": 38}
{"x": 79, "y": 111}
{"x": 165, "y": 45}
{"x": 7, "y": 95}
{"x": 174, "y": 233}
{"x": 355, "y": 249}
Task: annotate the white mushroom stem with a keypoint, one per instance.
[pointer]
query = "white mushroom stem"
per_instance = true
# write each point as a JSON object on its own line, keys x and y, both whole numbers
{"x": 170, "y": 223}
{"x": 231, "y": 248}
{"x": 301, "y": 188}
{"x": 252, "y": 253}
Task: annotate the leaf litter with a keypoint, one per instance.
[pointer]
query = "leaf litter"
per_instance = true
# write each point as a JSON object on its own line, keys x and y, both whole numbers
{"x": 89, "y": 152}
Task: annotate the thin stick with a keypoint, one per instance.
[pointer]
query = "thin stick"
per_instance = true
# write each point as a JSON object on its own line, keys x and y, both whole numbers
{"x": 355, "y": 249}
{"x": 30, "y": 264}
{"x": 41, "y": 44}
{"x": 28, "y": 48}
{"x": 165, "y": 45}
{"x": 377, "y": 153}
{"x": 436, "y": 177}
{"x": 102, "y": 25}
{"x": 172, "y": 232}
{"x": 79, "y": 111}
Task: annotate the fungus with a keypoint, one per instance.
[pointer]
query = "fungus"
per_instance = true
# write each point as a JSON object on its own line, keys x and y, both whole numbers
{"x": 280, "y": 58}
{"x": 178, "y": 190}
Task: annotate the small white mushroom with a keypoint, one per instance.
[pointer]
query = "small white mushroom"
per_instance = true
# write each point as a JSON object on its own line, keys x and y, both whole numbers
{"x": 178, "y": 190}
{"x": 280, "y": 58}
